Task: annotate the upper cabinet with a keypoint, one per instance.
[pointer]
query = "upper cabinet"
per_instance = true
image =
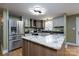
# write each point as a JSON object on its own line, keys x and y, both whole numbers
{"x": 36, "y": 23}
{"x": 27, "y": 23}
{"x": 59, "y": 21}
{"x": 39, "y": 24}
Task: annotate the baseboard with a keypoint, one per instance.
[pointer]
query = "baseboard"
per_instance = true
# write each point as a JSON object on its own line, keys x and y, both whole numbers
{"x": 68, "y": 43}
{"x": 5, "y": 51}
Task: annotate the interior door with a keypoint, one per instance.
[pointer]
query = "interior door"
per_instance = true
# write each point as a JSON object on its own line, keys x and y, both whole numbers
{"x": 77, "y": 30}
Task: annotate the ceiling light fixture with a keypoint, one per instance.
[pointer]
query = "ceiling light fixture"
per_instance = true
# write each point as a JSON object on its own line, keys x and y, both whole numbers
{"x": 48, "y": 18}
{"x": 37, "y": 10}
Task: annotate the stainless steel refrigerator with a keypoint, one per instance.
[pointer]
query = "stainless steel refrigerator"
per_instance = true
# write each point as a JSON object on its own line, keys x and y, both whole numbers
{"x": 16, "y": 30}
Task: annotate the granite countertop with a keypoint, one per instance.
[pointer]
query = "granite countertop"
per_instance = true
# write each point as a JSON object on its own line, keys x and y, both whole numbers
{"x": 54, "y": 41}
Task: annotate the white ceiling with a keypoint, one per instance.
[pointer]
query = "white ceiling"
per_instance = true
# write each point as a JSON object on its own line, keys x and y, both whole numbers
{"x": 52, "y": 9}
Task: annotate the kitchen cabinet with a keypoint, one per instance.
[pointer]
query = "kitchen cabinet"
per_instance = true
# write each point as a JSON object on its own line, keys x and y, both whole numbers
{"x": 36, "y": 23}
{"x": 58, "y": 21}
{"x": 34, "y": 49}
{"x": 39, "y": 24}
{"x": 27, "y": 23}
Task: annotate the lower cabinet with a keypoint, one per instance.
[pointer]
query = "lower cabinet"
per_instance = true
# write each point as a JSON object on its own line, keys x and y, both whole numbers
{"x": 34, "y": 49}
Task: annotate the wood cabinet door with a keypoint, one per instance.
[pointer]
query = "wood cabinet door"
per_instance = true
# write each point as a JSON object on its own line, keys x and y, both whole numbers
{"x": 39, "y": 50}
{"x": 25, "y": 48}
{"x": 33, "y": 49}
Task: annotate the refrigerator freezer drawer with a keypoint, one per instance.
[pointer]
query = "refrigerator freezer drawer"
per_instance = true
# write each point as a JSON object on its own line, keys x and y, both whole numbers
{"x": 14, "y": 44}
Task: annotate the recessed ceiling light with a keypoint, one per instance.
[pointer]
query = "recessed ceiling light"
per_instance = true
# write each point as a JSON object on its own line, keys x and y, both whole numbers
{"x": 37, "y": 10}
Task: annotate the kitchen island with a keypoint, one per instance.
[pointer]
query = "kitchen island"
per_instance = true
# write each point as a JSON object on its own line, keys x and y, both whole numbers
{"x": 43, "y": 45}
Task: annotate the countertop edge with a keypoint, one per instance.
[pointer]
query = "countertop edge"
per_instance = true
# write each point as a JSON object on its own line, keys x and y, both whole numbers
{"x": 23, "y": 37}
